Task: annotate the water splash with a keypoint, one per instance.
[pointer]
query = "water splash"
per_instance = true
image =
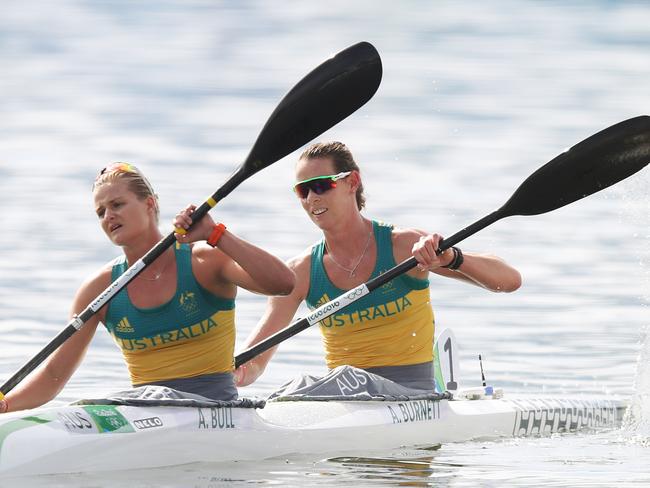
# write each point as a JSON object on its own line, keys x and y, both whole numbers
{"x": 636, "y": 423}
{"x": 637, "y": 417}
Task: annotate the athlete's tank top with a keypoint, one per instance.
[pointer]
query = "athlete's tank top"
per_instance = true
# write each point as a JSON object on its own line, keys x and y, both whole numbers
{"x": 191, "y": 335}
{"x": 391, "y": 326}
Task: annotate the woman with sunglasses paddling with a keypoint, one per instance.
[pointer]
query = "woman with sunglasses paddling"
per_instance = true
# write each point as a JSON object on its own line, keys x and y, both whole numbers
{"x": 390, "y": 331}
{"x": 175, "y": 321}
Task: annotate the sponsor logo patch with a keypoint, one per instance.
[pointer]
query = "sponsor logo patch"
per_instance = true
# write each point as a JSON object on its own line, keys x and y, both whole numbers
{"x": 149, "y": 423}
{"x": 108, "y": 419}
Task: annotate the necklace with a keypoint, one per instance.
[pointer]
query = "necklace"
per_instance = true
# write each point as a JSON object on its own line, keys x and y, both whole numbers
{"x": 157, "y": 275}
{"x": 354, "y": 268}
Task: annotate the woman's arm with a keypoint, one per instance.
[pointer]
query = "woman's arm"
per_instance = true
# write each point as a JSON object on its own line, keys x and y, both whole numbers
{"x": 253, "y": 268}
{"x": 485, "y": 270}
{"x": 235, "y": 261}
{"x": 279, "y": 313}
{"x": 48, "y": 380}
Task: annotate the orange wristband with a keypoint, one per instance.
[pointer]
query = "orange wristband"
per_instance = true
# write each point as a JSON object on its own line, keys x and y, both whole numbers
{"x": 216, "y": 234}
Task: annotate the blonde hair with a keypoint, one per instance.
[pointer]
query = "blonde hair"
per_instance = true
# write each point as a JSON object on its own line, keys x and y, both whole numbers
{"x": 137, "y": 182}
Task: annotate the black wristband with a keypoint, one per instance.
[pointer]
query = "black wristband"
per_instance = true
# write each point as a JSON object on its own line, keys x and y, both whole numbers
{"x": 457, "y": 261}
{"x": 453, "y": 259}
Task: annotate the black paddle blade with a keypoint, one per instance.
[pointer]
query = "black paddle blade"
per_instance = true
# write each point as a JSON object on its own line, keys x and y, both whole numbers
{"x": 323, "y": 98}
{"x": 599, "y": 161}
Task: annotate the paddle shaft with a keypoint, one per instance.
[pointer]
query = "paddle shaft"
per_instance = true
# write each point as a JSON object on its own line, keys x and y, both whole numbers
{"x": 327, "y": 95}
{"x": 410, "y": 263}
{"x": 598, "y": 162}
{"x": 333, "y": 306}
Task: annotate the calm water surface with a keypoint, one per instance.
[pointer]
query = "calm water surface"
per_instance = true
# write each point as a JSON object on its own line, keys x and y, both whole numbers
{"x": 475, "y": 97}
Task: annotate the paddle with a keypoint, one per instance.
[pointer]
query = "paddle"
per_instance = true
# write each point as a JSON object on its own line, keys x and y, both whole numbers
{"x": 599, "y": 161}
{"x": 327, "y": 95}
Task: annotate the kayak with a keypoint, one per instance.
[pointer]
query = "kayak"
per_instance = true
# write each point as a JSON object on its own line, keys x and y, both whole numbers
{"x": 93, "y": 438}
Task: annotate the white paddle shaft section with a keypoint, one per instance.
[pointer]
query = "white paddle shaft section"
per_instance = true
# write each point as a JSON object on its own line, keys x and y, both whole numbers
{"x": 117, "y": 285}
{"x": 330, "y": 308}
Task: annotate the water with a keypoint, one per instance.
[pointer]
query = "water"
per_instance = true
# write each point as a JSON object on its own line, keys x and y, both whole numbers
{"x": 474, "y": 98}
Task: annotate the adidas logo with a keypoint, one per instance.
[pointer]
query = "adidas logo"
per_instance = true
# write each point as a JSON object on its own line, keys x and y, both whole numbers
{"x": 322, "y": 300}
{"x": 124, "y": 326}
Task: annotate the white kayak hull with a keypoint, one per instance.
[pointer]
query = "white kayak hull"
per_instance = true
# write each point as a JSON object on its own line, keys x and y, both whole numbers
{"x": 108, "y": 438}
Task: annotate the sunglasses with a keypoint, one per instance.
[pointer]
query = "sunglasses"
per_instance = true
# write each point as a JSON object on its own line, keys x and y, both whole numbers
{"x": 319, "y": 184}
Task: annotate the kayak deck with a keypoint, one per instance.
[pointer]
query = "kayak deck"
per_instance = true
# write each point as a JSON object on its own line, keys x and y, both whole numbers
{"x": 117, "y": 437}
